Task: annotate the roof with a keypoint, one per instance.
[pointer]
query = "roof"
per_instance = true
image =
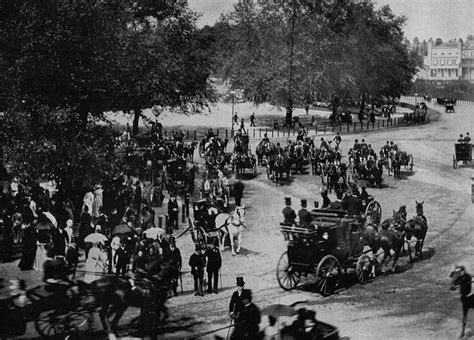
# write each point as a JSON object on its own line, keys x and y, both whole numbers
{"x": 448, "y": 44}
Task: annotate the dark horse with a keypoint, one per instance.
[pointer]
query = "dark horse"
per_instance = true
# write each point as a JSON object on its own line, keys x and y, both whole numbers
{"x": 387, "y": 240}
{"x": 463, "y": 280}
{"x": 417, "y": 227}
{"x": 113, "y": 295}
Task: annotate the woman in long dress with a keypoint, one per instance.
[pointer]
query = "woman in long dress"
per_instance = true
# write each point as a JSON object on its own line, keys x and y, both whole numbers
{"x": 96, "y": 263}
{"x": 42, "y": 243}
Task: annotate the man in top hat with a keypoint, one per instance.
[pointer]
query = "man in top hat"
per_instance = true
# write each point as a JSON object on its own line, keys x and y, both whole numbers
{"x": 238, "y": 192}
{"x": 214, "y": 263}
{"x": 197, "y": 262}
{"x": 248, "y": 320}
{"x": 289, "y": 214}
{"x": 352, "y": 204}
{"x": 173, "y": 255}
{"x": 236, "y": 305}
{"x": 304, "y": 215}
{"x": 173, "y": 212}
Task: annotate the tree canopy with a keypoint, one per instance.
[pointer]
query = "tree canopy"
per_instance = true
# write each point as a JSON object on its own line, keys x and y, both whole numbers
{"x": 289, "y": 52}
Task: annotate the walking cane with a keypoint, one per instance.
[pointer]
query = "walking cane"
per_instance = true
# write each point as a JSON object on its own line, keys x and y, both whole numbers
{"x": 230, "y": 324}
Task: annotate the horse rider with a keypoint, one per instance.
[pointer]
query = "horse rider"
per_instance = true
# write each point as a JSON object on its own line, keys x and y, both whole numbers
{"x": 289, "y": 214}
{"x": 265, "y": 140}
{"x": 279, "y": 149}
{"x": 371, "y": 152}
{"x": 337, "y": 139}
{"x": 386, "y": 148}
{"x": 363, "y": 144}
{"x": 357, "y": 146}
{"x": 300, "y": 136}
{"x": 304, "y": 215}
{"x": 324, "y": 144}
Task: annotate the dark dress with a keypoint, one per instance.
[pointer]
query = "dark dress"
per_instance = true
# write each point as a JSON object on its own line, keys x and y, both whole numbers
{"x": 29, "y": 249}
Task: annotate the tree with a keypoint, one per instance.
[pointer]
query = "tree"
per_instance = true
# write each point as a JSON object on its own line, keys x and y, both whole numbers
{"x": 162, "y": 61}
{"x": 285, "y": 52}
{"x": 60, "y": 53}
{"x": 438, "y": 41}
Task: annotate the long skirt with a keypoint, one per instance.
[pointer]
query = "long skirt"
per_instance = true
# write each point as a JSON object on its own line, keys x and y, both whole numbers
{"x": 40, "y": 257}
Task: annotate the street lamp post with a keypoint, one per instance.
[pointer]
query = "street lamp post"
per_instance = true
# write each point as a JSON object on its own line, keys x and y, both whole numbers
{"x": 232, "y": 93}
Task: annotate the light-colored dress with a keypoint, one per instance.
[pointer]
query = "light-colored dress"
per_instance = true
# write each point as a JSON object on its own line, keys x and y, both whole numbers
{"x": 40, "y": 256}
{"x": 96, "y": 265}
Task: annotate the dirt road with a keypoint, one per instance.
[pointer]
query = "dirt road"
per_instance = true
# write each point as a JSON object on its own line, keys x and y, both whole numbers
{"x": 414, "y": 303}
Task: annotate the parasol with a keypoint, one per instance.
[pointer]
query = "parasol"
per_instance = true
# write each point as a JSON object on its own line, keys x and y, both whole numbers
{"x": 51, "y": 218}
{"x": 278, "y": 310}
{"x": 95, "y": 238}
{"x": 44, "y": 226}
{"x": 154, "y": 233}
{"x": 122, "y": 229}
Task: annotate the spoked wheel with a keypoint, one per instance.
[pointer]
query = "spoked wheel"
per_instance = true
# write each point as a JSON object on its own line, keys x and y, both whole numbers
{"x": 364, "y": 268}
{"x": 374, "y": 210}
{"x": 288, "y": 278}
{"x": 328, "y": 274}
{"x": 52, "y": 323}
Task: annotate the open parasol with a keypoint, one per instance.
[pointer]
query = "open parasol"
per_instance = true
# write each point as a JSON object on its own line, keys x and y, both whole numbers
{"x": 44, "y": 226}
{"x": 122, "y": 229}
{"x": 154, "y": 233}
{"x": 50, "y": 217}
{"x": 96, "y": 238}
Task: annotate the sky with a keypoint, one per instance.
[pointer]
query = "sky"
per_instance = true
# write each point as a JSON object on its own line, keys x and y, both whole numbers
{"x": 445, "y": 19}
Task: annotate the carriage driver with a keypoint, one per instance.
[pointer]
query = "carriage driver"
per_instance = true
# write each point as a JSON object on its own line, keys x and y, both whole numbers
{"x": 467, "y": 139}
{"x": 289, "y": 214}
{"x": 304, "y": 215}
{"x": 265, "y": 139}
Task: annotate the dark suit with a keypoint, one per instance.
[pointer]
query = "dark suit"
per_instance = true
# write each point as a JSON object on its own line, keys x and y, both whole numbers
{"x": 305, "y": 217}
{"x": 173, "y": 212}
{"x": 121, "y": 261}
{"x": 289, "y": 216}
{"x": 238, "y": 192}
{"x": 236, "y": 305}
{"x": 197, "y": 263}
{"x": 214, "y": 262}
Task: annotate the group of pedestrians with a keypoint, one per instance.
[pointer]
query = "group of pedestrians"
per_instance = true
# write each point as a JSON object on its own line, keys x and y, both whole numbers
{"x": 210, "y": 260}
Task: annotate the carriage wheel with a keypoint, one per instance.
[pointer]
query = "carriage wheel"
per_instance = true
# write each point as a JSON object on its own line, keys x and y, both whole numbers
{"x": 455, "y": 163}
{"x": 328, "y": 274}
{"x": 374, "y": 210}
{"x": 287, "y": 276}
{"x": 364, "y": 268}
{"x": 52, "y": 323}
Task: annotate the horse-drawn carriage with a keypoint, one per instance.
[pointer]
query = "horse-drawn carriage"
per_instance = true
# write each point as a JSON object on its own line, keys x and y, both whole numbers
{"x": 332, "y": 243}
{"x": 176, "y": 173}
{"x": 462, "y": 153}
{"x": 449, "y": 106}
{"x": 242, "y": 162}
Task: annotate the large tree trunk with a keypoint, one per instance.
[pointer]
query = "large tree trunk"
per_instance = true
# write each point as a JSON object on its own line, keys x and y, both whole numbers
{"x": 136, "y": 119}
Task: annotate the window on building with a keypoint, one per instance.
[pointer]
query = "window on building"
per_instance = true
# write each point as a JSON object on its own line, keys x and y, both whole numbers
{"x": 441, "y": 62}
{"x": 448, "y": 62}
{"x": 455, "y": 73}
{"x": 433, "y": 73}
{"x": 435, "y": 61}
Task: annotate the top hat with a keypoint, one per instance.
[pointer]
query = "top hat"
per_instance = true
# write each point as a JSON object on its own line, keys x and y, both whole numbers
{"x": 288, "y": 200}
{"x": 304, "y": 203}
{"x": 240, "y": 281}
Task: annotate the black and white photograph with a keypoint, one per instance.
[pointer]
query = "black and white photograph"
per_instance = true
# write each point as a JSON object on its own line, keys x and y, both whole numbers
{"x": 236, "y": 169}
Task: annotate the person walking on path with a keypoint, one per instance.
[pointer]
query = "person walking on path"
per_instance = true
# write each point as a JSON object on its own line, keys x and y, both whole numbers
{"x": 197, "y": 262}
{"x": 236, "y": 305}
{"x": 173, "y": 213}
{"x": 238, "y": 192}
{"x": 242, "y": 126}
{"x": 248, "y": 320}
{"x": 252, "y": 120}
{"x": 214, "y": 263}
{"x": 235, "y": 119}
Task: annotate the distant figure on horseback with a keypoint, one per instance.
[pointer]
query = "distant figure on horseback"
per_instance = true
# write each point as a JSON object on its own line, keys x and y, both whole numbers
{"x": 337, "y": 139}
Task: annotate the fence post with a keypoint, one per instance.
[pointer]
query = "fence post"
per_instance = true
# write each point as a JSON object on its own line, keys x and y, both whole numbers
{"x": 324, "y": 128}
{"x": 347, "y": 127}
{"x": 187, "y": 134}
{"x": 259, "y": 133}
{"x": 265, "y": 131}
{"x": 195, "y": 134}
{"x": 354, "y": 127}
{"x": 361, "y": 126}
{"x": 253, "y": 133}
{"x": 226, "y": 131}
{"x": 278, "y": 133}
{"x": 378, "y": 124}
{"x": 272, "y": 132}
{"x": 217, "y": 132}
{"x": 316, "y": 130}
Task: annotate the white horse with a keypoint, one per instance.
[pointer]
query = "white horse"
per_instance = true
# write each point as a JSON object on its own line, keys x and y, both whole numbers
{"x": 232, "y": 225}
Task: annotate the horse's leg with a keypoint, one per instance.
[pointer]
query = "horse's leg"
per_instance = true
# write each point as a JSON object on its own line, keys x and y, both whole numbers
{"x": 118, "y": 314}
{"x": 231, "y": 237}
{"x": 239, "y": 239}
{"x": 104, "y": 318}
{"x": 465, "y": 309}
